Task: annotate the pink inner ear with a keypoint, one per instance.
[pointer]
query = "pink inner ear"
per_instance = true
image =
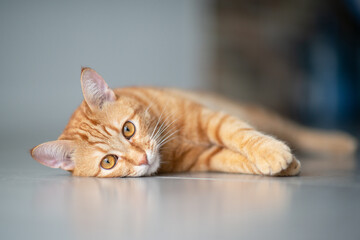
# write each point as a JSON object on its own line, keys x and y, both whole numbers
{"x": 95, "y": 90}
{"x": 55, "y": 154}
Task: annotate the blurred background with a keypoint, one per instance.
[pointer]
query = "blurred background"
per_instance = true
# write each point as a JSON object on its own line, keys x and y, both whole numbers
{"x": 300, "y": 57}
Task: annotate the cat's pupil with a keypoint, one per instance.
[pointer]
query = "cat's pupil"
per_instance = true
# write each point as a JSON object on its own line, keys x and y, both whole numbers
{"x": 127, "y": 129}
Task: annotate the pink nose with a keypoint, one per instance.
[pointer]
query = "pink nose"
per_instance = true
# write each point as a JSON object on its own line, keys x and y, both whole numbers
{"x": 143, "y": 160}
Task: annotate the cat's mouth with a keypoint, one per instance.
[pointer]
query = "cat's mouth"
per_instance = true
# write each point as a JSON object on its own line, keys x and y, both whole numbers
{"x": 151, "y": 167}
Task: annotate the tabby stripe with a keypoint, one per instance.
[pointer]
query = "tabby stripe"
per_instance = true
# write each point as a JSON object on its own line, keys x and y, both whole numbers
{"x": 91, "y": 120}
{"x": 144, "y": 92}
{"x": 256, "y": 141}
{"x": 86, "y": 138}
{"x": 100, "y": 149}
{"x": 83, "y": 136}
{"x": 100, "y": 132}
{"x": 208, "y": 120}
{"x": 98, "y": 172}
{"x": 137, "y": 147}
{"x": 113, "y": 128}
{"x": 132, "y": 115}
{"x": 200, "y": 130}
{"x": 247, "y": 167}
{"x": 155, "y": 108}
{"x": 248, "y": 141}
{"x": 212, "y": 154}
{"x": 92, "y": 135}
{"x": 92, "y": 128}
{"x": 136, "y": 97}
{"x": 218, "y": 127}
{"x": 148, "y": 99}
{"x": 128, "y": 160}
{"x": 239, "y": 130}
{"x": 246, "y": 144}
{"x": 95, "y": 142}
{"x": 107, "y": 132}
{"x": 144, "y": 102}
{"x": 184, "y": 154}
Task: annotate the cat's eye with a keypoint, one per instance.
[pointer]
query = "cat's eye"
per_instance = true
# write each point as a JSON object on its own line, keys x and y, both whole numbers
{"x": 128, "y": 130}
{"x": 108, "y": 162}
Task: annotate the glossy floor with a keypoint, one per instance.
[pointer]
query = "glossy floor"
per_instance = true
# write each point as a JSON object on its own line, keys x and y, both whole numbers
{"x": 322, "y": 203}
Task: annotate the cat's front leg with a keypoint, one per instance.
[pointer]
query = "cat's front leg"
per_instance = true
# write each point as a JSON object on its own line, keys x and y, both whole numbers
{"x": 269, "y": 155}
{"x": 221, "y": 159}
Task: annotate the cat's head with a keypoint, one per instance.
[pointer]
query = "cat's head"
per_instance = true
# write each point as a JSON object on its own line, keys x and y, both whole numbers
{"x": 111, "y": 134}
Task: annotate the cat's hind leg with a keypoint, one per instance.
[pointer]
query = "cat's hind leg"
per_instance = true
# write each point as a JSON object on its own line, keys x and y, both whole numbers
{"x": 221, "y": 159}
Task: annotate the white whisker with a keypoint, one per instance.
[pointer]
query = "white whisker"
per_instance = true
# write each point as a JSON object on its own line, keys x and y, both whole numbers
{"x": 158, "y": 121}
{"x": 166, "y": 139}
{"x": 159, "y": 132}
{"x": 167, "y": 127}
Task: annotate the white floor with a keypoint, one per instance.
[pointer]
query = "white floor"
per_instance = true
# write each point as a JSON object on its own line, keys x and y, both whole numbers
{"x": 41, "y": 203}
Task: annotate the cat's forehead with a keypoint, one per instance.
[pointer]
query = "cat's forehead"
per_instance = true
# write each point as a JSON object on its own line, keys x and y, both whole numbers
{"x": 123, "y": 107}
{"x": 114, "y": 115}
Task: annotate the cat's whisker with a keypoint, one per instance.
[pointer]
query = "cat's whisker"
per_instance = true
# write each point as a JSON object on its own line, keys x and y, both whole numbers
{"x": 160, "y": 131}
{"x": 158, "y": 135}
{"x": 167, "y": 138}
{"x": 158, "y": 121}
{"x": 170, "y": 137}
{"x": 152, "y": 134}
{"x": 169, "y": 131}
{"x": 167, "y": 127}
{"x": 164, "y": 162}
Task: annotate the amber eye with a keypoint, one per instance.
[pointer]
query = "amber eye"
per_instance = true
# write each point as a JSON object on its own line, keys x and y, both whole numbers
{"x": 128, "y": 130}
{"x": 108, "y": 161}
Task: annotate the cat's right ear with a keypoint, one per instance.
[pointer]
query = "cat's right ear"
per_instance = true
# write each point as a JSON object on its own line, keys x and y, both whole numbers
{"x": 95, "y": 90}
{"x": 55, "y": 154}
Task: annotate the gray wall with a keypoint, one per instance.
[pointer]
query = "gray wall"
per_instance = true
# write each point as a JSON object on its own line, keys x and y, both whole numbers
{"x": 43, "y": 45}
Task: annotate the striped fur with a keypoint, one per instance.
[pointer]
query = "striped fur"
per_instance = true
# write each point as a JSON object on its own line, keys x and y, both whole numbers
{"x": 178, "y": 131}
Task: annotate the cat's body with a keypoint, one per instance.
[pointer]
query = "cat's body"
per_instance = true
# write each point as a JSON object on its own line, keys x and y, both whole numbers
{"x": 140, "y": 131}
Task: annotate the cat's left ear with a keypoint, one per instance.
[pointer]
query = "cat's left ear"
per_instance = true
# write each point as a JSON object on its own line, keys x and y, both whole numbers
{"x": 95, "y": 90}
{"x": 55, "y": 154}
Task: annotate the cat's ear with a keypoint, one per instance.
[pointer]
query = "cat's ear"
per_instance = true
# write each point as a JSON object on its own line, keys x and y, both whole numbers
{"x": 95, "y": 90}
{"x": 55, "y": 154}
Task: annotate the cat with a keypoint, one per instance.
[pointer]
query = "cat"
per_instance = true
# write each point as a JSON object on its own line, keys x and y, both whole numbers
{"x": 141, "y": 131}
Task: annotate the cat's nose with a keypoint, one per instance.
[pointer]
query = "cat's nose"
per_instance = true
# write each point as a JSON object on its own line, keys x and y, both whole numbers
{"x": 143, "y": 160}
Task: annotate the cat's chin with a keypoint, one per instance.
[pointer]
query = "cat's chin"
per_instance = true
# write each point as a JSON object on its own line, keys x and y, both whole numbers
{"x": 154, "y": 162}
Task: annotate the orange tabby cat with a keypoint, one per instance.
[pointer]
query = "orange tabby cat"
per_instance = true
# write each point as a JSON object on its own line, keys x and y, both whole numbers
{"x": 139, "y": 131}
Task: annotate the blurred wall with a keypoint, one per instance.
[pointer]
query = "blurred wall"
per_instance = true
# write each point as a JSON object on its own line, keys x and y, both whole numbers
{"x": 43, "y": 45}
{"x": 300, "y": 58}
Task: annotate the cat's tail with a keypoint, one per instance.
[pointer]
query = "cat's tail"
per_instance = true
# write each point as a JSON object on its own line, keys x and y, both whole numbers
{"x": 300, "y": 137}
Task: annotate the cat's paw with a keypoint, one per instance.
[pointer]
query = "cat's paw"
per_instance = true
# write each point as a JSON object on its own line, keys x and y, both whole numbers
{"x": 272, "y": 157}
{"x": 292, "y": 170}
